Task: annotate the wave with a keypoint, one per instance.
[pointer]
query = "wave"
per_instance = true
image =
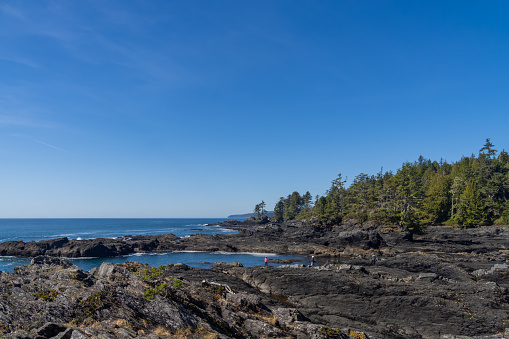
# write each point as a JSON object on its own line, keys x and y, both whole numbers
{"x": 254, "y": 254}
{"x": 149, "y": 254}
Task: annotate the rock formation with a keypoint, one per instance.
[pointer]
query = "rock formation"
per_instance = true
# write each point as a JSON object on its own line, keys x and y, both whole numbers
{"x": 445, "y": 283}
{"x": 51, "y": 298}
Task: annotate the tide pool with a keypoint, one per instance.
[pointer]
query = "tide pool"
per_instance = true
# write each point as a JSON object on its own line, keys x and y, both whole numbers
{"x": 193, "y": 259}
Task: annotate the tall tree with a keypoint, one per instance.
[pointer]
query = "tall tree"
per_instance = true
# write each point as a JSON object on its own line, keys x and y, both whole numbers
{"x": 257, "y": 210}
{"x": 437, "y": 200}
{"x": 457, "y": 188}
{"x": 487, "y": 150}
{"x": 279, "y": 209}
{"x": 334, "y": 201}
{"x": 472, "y": 206}
{"x": 293, "y": 207}
{"x": 409, "y": 195}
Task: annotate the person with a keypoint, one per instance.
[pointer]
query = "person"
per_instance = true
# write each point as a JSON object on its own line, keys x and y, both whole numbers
{"x": 313, "y": 261}
{"x": 266, "y": 261}
{"x": 373, "y": 259}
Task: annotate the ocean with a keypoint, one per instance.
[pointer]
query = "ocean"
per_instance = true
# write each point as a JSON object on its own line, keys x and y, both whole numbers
{"x": 44, "y": 229}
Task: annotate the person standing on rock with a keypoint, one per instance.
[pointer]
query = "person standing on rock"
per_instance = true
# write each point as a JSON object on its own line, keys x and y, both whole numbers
{"x": 313, "y": 261}
{"x": 373, "y": 260}
{"x": 266, "y": 261}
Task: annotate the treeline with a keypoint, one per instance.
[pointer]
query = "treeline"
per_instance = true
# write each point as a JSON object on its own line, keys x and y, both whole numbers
{"x": 471, "y": 192}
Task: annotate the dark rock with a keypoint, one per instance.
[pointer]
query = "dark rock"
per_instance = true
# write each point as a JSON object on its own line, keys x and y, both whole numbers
{"x": 219, "y": 266}
{"x": 419, "y": 296}
{"x": 262, "y": 329}
{"x": 50, "y": 330}
{"x": 445, "y": 281}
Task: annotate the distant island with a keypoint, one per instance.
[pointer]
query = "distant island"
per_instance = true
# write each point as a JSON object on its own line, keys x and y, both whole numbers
{"x": 269, "y": 214}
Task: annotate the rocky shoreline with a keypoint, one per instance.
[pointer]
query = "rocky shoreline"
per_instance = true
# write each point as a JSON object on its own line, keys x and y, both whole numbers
{"x": 446, "y": 283}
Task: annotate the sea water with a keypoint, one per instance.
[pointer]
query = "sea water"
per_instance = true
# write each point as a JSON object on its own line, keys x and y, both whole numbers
{"x": 44, "y": 229}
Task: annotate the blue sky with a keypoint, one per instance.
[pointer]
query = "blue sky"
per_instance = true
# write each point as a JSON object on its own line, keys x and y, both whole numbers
{"x": 205, "y": 108}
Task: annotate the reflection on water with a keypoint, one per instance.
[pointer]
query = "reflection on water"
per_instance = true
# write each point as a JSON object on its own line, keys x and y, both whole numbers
{"x": 193, "y": 259}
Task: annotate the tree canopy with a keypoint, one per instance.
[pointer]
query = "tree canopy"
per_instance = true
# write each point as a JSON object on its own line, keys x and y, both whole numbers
{"x": 471, "y": 192}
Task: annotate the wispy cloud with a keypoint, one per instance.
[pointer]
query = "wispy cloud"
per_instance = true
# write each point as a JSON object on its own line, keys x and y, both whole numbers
{"x": 61, "y": 23}
{"x": 11, "y": 11}
{"x": 20, "y": 60}
{"x": 55, "y": 147}
{"x": 9, "y": 120}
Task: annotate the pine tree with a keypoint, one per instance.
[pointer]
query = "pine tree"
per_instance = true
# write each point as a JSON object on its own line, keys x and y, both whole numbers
{"x": 334, "y": 201}
{"x": 293, "y": 206}
{"x": 257, "y": 210}
{"x": 436, "y": 203}
{"x": 487, "y": 150}
{"x": 457, "y": 188}
{"x": 279, "y": 209}
{"x": 472, "y": 206}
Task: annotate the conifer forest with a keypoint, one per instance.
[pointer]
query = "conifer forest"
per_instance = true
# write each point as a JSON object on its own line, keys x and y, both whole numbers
{"x": 471, "y": 192}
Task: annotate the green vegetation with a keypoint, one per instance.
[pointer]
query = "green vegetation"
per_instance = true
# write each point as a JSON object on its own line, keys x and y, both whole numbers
{"x": 46, "y": 295}
{"x": 218, "y": 289}
{"x": 329, "y": 332}
{"x": 150, "y": 293}
{"x": 93, "y": 303}
{"x": 151, "y": 272}
{"x": 259, "y": 210}
{"x": 177, "y": 283}
{"x": 471, "y": 192}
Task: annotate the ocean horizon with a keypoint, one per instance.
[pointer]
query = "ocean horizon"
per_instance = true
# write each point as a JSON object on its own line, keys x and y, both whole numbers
{"x": 37, "y": 229}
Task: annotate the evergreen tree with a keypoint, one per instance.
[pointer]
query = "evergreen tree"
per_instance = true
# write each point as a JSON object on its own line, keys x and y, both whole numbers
{"x": 408, "y": 196}
{"x": 306, "y": 201}
{"x": 505, "y": 213}
{"x": 471, "y": 191}
{"x": 334, "y": 201}
{"x": 293, "y": 206}
{"x": 472, "y": 206}
{"x": 262, "y": 208}
{"x": 437, "y": 200}
{"x": 279, "y": 210}
{"x": 487, "y": 150}
{"x": 359, "y": 197}
{"x": 457, "y": 188}
{"x": 257, "y": 210}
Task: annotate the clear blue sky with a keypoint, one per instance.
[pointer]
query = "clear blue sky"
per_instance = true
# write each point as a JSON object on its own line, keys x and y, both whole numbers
{"x": 204, "y": 108}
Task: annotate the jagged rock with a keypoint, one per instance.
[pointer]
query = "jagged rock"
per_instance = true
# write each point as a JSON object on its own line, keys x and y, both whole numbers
{"x": 288, "y": 316}
{"x": 416, "y": 295}
{"x": 219, "y": 266}
{"x": 50, "y": 330}
{"x": 446, "y": 281}
{"x": 262, "y": 329}
{"x": 132, "y": 300}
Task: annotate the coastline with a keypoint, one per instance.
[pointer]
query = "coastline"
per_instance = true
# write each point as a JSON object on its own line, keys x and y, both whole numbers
{"x": 446, "y": 282}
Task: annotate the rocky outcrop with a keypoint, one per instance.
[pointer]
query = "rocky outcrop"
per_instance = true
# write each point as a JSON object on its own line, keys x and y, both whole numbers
{"x": 408, "y": 296}
{"x": 51, "y": 298}
{"x": 445, "y": 283}
{"x": 295, "y": 237}
{"x": 72, "y": 248}
{"x": 304, "y": 237}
